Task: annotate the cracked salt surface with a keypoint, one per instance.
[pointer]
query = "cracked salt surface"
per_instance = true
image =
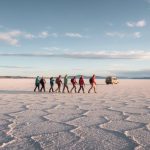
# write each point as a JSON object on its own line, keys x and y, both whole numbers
{"x": 117, "y": 117}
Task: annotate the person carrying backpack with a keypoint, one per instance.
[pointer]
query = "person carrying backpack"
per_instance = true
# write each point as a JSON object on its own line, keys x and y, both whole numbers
{"x": 65, "y": 84}
{"x": 93, "y": 84}
{"x": 51, "y": 84}
{"x": 42, "y": 82}
{"x": 37, "y": 83}
{"x": 82, "y": 84}
{"x": 58, "y": 82}
{"x": 74, "y": 82}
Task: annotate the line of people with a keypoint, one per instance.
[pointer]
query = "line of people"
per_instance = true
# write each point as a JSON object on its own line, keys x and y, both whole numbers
{"x": 40, "y": 84}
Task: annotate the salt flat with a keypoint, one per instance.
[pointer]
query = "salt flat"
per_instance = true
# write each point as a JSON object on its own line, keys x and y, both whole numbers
{"x": 116, "y": 118}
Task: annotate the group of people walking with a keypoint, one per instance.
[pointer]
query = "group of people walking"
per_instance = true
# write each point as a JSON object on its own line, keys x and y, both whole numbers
{"x": 40, "y": 84}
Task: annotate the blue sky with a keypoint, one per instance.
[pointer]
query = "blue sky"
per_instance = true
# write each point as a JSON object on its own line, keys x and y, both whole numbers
{"x": 51, "y": 37}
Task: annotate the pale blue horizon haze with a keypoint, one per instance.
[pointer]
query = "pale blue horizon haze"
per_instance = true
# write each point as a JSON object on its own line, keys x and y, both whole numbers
{"x": 52, "y": 37}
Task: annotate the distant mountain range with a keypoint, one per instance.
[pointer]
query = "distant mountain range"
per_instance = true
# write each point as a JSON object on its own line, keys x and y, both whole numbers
{"x": 77, "y": 76}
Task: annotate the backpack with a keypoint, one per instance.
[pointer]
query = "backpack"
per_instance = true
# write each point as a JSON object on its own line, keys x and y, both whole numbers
{"x": 90, "y": 80}
{"x": 57, "y": 81}
{"x": 37, "y": 81}
{"x": 72, "y": 80}
{"x": 51, "y": 80}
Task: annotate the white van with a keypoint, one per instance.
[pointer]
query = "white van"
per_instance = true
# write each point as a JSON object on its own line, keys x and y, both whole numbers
{"x": 111, "y": 80}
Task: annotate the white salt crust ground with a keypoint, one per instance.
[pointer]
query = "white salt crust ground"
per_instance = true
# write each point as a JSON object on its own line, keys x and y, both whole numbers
{"x": 116, "y": 118}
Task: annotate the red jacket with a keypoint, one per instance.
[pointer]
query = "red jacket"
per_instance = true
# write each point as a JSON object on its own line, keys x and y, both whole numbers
{"x": 81, "y": 81}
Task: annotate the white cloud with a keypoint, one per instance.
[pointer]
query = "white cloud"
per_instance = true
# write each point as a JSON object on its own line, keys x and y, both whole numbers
{"x": 28, "y": 36}
{"x": 88, "y": 54}
{"x": 116, "y": 34}
{"x": 10, "y": 37}
{"x": 73, "y": 35}
{"x": 14, "y": 33}
{"x": 110, "y": 55}
{"x": 13, "y": 67}
{"x": 137, "y": 34}
{"x": 52, "y": 48}
{"x": 13, "y": 37}
{"x": 129, "y": 24}
{"x": 124, "y": 35}
{"x": 9, "y": 40}
{"x": 43, "y": 34}
{"x": 140, "y": 23}
{"x": 55, "y": 50}
{"x": 55, "y": 35}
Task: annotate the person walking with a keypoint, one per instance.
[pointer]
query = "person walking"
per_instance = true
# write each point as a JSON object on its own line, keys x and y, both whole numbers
{"x": 82, "y": 84}
{"x": 74, "y": 82}
{"x": 42, "y": 82}
{"x": 93, "y": 84}
{"x": 51, "y": 85}
{"x": 37, "y": 83}
{"x": 65, "y": 84}
{"x": 58, "y": 82}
